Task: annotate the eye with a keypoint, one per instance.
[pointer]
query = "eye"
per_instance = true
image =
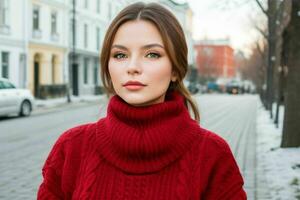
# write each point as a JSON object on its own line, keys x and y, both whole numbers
{"x": 119, "y": 55}
{"x": 153, "y": 55}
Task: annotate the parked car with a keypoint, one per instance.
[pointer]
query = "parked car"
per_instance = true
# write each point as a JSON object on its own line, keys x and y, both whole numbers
{"x": 193, "y": 87}
{"x": 14, "y": 100}
{"x": 212, "y": 87}
{"x": 233, "y": 87}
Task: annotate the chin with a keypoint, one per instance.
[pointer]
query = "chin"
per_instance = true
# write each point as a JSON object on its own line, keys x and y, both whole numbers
{"x": 135, "y": 101}
{"x": 140, "y": 99}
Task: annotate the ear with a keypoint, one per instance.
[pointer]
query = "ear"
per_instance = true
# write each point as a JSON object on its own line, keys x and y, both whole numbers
{"x": 173, "y": 77}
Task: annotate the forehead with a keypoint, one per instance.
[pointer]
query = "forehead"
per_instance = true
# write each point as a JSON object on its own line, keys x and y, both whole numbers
{"x": 137, "y": 32}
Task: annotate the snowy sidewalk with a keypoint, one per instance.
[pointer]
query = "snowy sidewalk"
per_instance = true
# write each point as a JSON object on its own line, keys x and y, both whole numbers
{"x": 278, "y": 169}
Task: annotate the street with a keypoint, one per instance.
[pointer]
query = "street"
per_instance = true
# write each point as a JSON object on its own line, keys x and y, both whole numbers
{"x": 234, "y": 118}
{"x": 25, "y": 142}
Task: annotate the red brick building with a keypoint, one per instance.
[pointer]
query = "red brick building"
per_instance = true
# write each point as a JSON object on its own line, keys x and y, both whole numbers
{"x": 215, "y": 59}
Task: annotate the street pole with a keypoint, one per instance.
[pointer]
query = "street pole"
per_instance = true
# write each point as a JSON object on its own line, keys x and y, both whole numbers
{"x": 73, "y": 53}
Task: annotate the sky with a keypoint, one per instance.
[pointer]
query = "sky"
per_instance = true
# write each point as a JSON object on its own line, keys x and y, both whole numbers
{"x": 233, "y": 19}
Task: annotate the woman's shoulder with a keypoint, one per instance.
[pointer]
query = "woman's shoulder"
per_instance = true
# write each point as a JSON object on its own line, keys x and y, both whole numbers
{"x": 212, "y": 142}
{"x": 77, "y": 135}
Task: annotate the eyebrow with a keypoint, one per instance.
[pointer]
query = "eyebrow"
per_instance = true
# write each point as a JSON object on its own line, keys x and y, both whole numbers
{"x": 148, "y": 46}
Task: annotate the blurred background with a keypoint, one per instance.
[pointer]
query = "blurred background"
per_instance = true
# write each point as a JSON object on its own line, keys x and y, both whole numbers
{"x": 244, "y": 73}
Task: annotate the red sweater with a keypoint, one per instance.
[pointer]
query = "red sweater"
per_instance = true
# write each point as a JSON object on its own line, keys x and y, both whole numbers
{"x": 142, "y": 153}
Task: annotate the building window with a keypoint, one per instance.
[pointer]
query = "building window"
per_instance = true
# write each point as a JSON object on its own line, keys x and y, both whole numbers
{"x": 3, "y": 12}
{"x": 5, "y": 64}
{"x": 207, "y": 51}
{"x": 96, "y": 72}
{"x": 86, "y": 4}
{"x": 98, "y": 35}
{"x": 36, "y": 18}
{"x": 109, "y": 10}
{"x": 53, "y": 23}
{"x": 98, "y": 6}
{"x": 71, "y": 32}
{"x": 85, "y": 70}
{"x": 53, "y": 65}
{"x": 85, "y": 35}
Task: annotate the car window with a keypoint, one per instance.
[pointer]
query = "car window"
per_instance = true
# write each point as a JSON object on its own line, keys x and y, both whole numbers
{"x": 8, "y": 85}
{"x": 1, "y": 85}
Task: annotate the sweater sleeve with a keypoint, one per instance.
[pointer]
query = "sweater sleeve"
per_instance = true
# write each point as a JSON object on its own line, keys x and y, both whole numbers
{"x": 225, "y": 181}
{"x": 50, "y": 188}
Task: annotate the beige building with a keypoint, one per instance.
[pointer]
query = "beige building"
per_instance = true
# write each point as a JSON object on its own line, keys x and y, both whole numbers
{"x": 47, "y": 48}
{"x": 45, "y": 69}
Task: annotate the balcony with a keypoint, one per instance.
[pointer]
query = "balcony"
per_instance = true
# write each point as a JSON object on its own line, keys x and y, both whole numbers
{"x": 4, "y": 29}
{"x": 37, "y": 34}
{"x": 54, "y": 37}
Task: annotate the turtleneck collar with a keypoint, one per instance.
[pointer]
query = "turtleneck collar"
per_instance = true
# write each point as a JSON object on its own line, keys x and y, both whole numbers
{"x": 145, "y": 139}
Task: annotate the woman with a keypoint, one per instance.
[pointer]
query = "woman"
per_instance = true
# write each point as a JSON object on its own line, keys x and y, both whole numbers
{"x": 148, "y": 146}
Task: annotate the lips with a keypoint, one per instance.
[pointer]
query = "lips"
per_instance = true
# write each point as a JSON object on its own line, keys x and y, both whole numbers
{"x": 134, "y": 83}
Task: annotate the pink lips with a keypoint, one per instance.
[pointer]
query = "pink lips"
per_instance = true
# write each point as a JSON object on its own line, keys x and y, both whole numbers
{"x": 134, "y": 85}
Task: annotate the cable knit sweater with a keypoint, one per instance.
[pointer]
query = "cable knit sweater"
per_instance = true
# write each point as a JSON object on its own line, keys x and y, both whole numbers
{"x": 155, "y": 152}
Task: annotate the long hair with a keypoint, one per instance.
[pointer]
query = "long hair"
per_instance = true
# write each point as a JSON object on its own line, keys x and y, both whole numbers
{"x": 173, "y": 39}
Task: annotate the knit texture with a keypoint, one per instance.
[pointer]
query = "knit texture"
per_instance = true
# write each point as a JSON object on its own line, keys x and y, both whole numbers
{"x": 134, "y": 153}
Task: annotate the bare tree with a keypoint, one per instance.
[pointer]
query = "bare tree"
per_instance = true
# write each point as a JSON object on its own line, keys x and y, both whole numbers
{"x": 283, "y": 18}
{"x": 291, "y": 126}
{"x": 254, "y": 68}
{"x": 277, "y": 15}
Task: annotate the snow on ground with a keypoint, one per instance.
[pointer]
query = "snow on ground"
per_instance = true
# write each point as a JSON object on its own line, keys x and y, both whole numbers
{"x": 281, "y": 166}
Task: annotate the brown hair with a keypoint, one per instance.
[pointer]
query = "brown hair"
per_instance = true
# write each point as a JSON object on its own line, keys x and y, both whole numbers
{"x": 173, "y": 39}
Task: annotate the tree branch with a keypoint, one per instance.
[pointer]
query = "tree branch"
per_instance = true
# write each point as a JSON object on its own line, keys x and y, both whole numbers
{"x": 263, "y": 32}
{"x": 261, "y": 7}
{"x": 260, "y": 51}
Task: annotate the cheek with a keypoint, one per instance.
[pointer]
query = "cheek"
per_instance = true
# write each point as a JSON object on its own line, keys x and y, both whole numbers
{"x": 113, "y": 71}
{"x": 163, "y": 72}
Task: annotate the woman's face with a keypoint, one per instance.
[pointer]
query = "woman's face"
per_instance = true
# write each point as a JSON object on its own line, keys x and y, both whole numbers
{"x": 139, "y": 66}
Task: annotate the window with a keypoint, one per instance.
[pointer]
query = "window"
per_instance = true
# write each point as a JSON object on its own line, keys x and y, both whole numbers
{"x": 86, "y": 5}
{"x": 85, "y": 35}
{"x": 53, "y": 23}
{"x": 35, "y": 18}
{"x": 98, "y": 7}
{"x": 98, "y": 35}
{"x": 96, "y": 72}
{"x": 109, "y": 10}
{"x": 7, "y": 85}
{"x": 5, "y": 64}
{"x": 71, "y": 32}
{"x": 53, "y": 66}
{"x": 207, "y": 51}
{"x": 3, "y": 12}
{"x": 85, "y": 70}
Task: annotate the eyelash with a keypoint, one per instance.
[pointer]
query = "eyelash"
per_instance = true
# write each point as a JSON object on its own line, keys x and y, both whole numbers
{"x": 116, "y": 55}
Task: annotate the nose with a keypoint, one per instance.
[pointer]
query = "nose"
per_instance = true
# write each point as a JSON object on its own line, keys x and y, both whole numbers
{"x": 134, "y": 66}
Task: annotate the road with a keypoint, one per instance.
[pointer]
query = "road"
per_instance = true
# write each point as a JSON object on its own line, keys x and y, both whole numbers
{"x": 25, "y": 142}
{"x": 233, "y": 117}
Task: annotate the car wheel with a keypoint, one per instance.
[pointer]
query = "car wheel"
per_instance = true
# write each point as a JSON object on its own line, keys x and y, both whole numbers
{"x": 25, "y": 108}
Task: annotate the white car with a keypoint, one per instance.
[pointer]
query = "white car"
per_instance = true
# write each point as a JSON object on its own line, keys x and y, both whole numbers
{"x": 14, "y": 100}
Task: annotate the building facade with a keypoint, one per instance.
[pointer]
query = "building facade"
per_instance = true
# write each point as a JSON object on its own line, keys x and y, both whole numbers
{"x": 215, "y": 59}
{"x": 47, "y": 48}
{"x": 13, "y": 41}
{"x": 92, "y": 18}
